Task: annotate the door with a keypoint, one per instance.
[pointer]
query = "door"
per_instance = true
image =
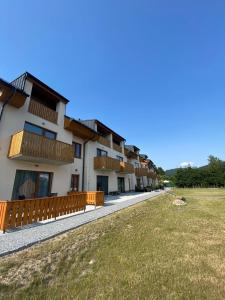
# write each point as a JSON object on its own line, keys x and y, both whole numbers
{"x": 75, "y": 182}
{"x": 31, "y": 184}
{"x": 102, "y": 184}
{"x": 121, "y": 185}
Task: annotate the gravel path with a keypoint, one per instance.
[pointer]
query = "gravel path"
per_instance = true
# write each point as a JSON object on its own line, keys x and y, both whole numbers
{"x": 20, "y": 239}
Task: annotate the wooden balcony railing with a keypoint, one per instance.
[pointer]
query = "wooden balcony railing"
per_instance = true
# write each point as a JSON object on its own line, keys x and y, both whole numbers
{"x": 117, "y": 148}
{"x": 126, "y": 168}
{"x": 43, "y": 111}
{"x": 105, "y": 163}
{"x": 18, "y": 213}
{"x": 30, "y": 146}
{"x": 104, "y": 141}
{"x": 151, "y": 175}
{"x": 141, "y": 172}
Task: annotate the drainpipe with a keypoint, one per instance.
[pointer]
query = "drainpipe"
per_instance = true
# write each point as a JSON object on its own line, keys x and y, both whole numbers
{"x": 6, "y": 102}
{"x": 84, "y": 147}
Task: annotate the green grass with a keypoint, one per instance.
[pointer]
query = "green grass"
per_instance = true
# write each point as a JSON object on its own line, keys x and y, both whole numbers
{"x": 154, "y": 250}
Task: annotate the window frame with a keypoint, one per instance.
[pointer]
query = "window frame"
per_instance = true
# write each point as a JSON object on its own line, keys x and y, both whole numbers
{"x": 43, "y": 130}
{"x": 100, "y": 151}
{"x": 74, "y": 148}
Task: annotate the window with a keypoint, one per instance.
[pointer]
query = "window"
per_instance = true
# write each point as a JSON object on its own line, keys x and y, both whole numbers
{"x": 136, "y": 165}
{"x": 120, "y": 158}
{"x": 31, "y": 184}
{"x": 101, "y": 152}
{"x": 39, "y": 130}
{"x": 77, "y": 150}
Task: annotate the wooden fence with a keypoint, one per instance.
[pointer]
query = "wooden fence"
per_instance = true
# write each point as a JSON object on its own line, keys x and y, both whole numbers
{"x": 18, "y": 213}
{"x": 92, "y": 198}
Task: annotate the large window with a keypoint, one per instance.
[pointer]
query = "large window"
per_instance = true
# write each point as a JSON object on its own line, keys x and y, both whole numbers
{"x": 101, "y": 152}
{"x": 31, "y": 184}
{"x": 77, "y": 149}
{"x": 39, "y": 130}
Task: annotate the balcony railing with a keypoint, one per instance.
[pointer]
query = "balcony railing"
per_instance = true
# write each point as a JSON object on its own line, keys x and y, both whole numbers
{"x": 104, "y": 141}
{"x": 151, "y": 175}
{"x": 141, "y": 172}
{"x": 105, "y": 163}
{"x": 33, "y": 147}
{"x": 117, "y": 148}
{"x": 126, "y": 168}
{"x": 43, "y": 111}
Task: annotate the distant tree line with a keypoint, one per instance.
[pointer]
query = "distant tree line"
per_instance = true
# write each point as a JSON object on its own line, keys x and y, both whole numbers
{"x": 212, "y": 175}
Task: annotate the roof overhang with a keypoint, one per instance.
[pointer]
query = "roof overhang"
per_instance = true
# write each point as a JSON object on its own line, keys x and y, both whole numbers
{"x": 80, "y": 130}
{"x": 107, "y": 130}
{"x": 11, "y": 95}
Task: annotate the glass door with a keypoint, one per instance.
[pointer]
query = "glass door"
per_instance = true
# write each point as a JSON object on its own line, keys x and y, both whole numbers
{"x": 43, "y": 184}
{"x": 31, "y": 184}
{"x": 102, "y": 184}
{"x": 121, "y": 185}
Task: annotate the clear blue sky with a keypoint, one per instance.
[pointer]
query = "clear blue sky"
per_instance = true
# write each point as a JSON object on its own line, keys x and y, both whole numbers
{"x": 154, "y": 71}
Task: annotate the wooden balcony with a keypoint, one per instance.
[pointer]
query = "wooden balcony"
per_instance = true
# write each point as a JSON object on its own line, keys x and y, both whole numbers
{"x": 104, "y": 141}
{"x": 43, "y": 111}
{"x": 117, "y": 148}
{"x": 141, "y": 172}
{"x": 105, "y": 163}
{"x": 151, "y": 175}
{"x": 126, "y": 168}
{"x": 36, "y": 148}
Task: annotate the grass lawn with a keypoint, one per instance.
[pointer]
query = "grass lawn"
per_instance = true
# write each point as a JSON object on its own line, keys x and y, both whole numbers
{"x": 153, "y": 250}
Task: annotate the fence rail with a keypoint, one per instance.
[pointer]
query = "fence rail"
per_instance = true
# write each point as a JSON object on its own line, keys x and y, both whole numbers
{"x": 18, "y": 213}
{"x": 92, "y": 198}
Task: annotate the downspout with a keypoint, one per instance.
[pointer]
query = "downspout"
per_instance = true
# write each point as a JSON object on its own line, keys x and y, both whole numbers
{"x": 84, "y": 148}
{"x": 6, "y": 102}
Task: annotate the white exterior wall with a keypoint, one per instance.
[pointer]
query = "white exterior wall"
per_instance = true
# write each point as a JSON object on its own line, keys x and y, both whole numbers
{"x": 91, "y": 174}
{"x": 132, "y": 177}
{"x": 13, "y": 121}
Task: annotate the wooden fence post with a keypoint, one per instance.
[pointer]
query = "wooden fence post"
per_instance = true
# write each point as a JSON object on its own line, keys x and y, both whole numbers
{"x": 3, "y": 216}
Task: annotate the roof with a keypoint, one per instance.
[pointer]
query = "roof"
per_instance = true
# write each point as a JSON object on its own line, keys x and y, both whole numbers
{"x": 80, "y": 129}
{"x": 34, "y": 79}
{"x": 12, "y": 95}
{"x": 106, "y": 128}
{"x": 132, "y": 148}
{"x": 10, "y": 86}
{"x": 145, "y": 156}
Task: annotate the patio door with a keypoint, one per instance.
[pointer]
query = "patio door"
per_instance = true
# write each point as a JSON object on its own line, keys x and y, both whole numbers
{"x": 102, "y": 184}
{"x": 121, "y": 185}
{"x": 31, "y": 184}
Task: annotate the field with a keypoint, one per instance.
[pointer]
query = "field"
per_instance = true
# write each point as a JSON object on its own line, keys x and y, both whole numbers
{"x": 154, "y": 250}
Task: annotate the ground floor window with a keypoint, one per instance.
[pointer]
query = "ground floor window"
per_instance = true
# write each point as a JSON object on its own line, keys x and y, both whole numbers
{"x": 75, "y": 182}
{"x": 31, "y": 184}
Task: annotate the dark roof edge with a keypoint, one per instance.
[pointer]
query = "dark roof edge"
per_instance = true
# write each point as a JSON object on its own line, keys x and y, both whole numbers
{"x": 72, "y": 119}
{"x": 32, "y": 77}
{"x": 9, "y": 85}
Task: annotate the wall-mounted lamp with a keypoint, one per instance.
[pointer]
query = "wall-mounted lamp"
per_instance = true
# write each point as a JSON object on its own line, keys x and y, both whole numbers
{"x": 1, "y": 92}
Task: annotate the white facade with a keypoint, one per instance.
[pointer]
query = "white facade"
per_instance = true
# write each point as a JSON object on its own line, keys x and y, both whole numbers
{"x": 13, "y": 121}
{"x": 90, "y": 181}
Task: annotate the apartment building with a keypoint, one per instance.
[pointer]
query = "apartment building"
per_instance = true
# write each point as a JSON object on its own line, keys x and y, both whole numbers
{"x": 44, "y": 152}
{"x": 106, "y": 166}
{"x": 40, "y": 151}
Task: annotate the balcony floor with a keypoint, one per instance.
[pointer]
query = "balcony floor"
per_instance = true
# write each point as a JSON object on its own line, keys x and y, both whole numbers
{"x": 39, "y": 160}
